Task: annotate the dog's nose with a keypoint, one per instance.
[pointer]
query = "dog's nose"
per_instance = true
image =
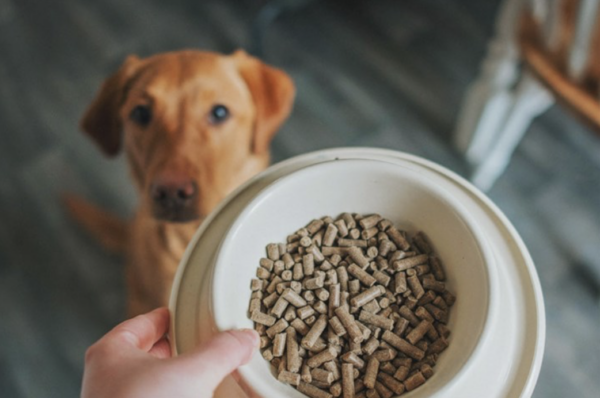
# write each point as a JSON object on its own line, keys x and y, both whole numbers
{"x": 173, "y": 194}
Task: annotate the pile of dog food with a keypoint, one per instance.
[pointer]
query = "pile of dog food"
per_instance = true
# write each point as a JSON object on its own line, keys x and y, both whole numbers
{"x": 351, "y": 307}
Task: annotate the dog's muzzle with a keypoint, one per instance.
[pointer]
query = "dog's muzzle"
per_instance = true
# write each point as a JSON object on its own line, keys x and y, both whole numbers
{"x": 175, "y": 202}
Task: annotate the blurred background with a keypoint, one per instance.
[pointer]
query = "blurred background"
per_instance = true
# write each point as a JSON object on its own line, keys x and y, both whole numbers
{"x": 379, "y": 73}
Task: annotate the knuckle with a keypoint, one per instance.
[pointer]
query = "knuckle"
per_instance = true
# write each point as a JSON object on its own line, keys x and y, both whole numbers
{"x": 234, "y": 340}
{"x": 127, "y": 337}
{"x": 95, "y": 352}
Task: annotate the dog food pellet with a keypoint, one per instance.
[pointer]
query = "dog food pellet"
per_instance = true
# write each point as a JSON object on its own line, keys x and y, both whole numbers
{"x": 322, "y": 375}
{"x": 279, "y": 344}
{"x": 403, "y": 346}
{"x": 409, "y": 262}
{"x": 312, "y": 391}
{"x": 402, "y": 372}
{"x": 336, "y": 389}
{"x": 351, "y": 307}
{"x": 383, "y": 391}
{"x": 289, "y": 377}
{"x": 426, "y": 370}
{"x": 396, "y": 386}
{"x": 322, "y": 357}
{"x": 354, "y": 332}
{"x": 387, "y": 367}
{"x": 371, "y": 373}
{"x": 398, "y": 239}
{"x": 305, "y": 373}
{"x": 308, "y": 264}
{"x": 414, "y": 381}
{"x": 286, "y": 275}
{"x": 348, "y": 387}
{"x": 361, "y": 275}
{"x": 345, "y": 244}
{"x": 370, "y": 346}
{"x": 310, "y": 320}
{"x": 330, "y": 235}
{"x": 367, "y": 295}
{"x": 273, "y": 251}
{"x": 414, "y": 283}
{"x": 438, "y": 271}
{"x": 333, "y": 368}
{"x": 342, "y": 228}
{"x": 322, "y": 294}
{"x": 376, "y": 320}
{"x": 354, "y": 359}
{"x": 313, "y": 334}
{"x": 279, "y": 307}
{"x": 406, "y": 312}
{"x": 336, "y": 326}
{"x": 418, "y": 332}
{"x": 313, "y": 284}
{"x": 278, "y": 327}
{"x": 385, "y": 354}
{"x": 372, "y": 307}
{"x": 261, "y": 318}
{"x": 317, "y": 255}
{"x": 369, "y": 394}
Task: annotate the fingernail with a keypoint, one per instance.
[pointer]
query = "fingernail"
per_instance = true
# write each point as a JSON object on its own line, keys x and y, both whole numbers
{"x": 252, "y": 336}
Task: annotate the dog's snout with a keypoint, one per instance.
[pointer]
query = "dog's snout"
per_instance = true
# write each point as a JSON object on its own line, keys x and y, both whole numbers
{"x": 170, "y": 194}
{"x": 173, "y": 198}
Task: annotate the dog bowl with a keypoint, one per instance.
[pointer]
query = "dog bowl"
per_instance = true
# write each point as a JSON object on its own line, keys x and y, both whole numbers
{"x": 496, "y": 345}
{"x": 409, "y": 200}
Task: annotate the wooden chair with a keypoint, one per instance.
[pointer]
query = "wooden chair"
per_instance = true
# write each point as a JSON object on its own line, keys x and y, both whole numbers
{"x": 544, "y": 51}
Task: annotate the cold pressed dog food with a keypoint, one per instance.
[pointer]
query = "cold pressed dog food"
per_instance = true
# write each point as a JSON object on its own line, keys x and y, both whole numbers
{"x": 351, "y": 307}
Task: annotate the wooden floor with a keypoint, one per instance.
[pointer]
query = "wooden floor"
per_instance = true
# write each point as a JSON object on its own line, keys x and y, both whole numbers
{"x": 378, "y": 73}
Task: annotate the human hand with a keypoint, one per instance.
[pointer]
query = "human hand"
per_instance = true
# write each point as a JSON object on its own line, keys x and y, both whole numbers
{"x": 134, "y": 360}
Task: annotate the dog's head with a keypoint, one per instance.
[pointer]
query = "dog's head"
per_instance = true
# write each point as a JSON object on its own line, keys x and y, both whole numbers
{"x": 193, "y": 124}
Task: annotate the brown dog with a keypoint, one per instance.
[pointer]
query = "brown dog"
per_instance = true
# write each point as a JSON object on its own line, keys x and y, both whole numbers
{"x": 194, "y": 125}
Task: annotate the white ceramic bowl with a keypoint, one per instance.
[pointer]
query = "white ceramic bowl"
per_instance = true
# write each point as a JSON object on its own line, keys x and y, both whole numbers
{"x": 400, "y": 194}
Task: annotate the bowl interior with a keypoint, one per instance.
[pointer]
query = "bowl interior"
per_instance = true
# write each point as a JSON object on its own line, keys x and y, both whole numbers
{"x": 402, "y": 195}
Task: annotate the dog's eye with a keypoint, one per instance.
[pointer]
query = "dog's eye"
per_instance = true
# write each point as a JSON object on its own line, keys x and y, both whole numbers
{"x": 218, "y": 114}
{"x": 141, "y": 114}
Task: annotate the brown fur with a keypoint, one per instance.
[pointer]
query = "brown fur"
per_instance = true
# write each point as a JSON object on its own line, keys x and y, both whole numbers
{"x": 181, "y": 88}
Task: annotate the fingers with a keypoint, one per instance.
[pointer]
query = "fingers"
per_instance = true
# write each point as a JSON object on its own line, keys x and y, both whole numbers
{"x": 141, "y": 332}
{"x": 161, "y": 349}
{"x": 220, "y": 356}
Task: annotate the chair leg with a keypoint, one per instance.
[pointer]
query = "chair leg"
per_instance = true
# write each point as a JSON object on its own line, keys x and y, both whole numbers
{"x": 489, "y": 98}
{"x": 482, "y": 114}
{"x": 528, "y": 100}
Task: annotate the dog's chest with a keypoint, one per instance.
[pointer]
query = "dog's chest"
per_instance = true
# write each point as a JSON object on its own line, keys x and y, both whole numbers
{"x": 157, "y": 247}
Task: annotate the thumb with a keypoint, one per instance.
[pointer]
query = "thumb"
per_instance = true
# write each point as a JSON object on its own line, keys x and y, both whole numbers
{"x": 218, "y": 357}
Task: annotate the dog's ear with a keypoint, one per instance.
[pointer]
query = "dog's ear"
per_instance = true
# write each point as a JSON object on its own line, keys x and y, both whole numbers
{"x": 273, "y": 94}
{"x": 101, "y": 120}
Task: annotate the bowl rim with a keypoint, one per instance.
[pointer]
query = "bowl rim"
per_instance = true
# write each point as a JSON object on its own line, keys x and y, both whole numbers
{"x": 518, "y": 274}
{"x": 216, "y": 273}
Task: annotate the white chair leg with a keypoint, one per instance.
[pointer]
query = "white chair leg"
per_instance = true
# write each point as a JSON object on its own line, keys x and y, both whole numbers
{"x": 481, "y": 118}
{"x": 489, "y": 98}
{"x": 529, "y": 99}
